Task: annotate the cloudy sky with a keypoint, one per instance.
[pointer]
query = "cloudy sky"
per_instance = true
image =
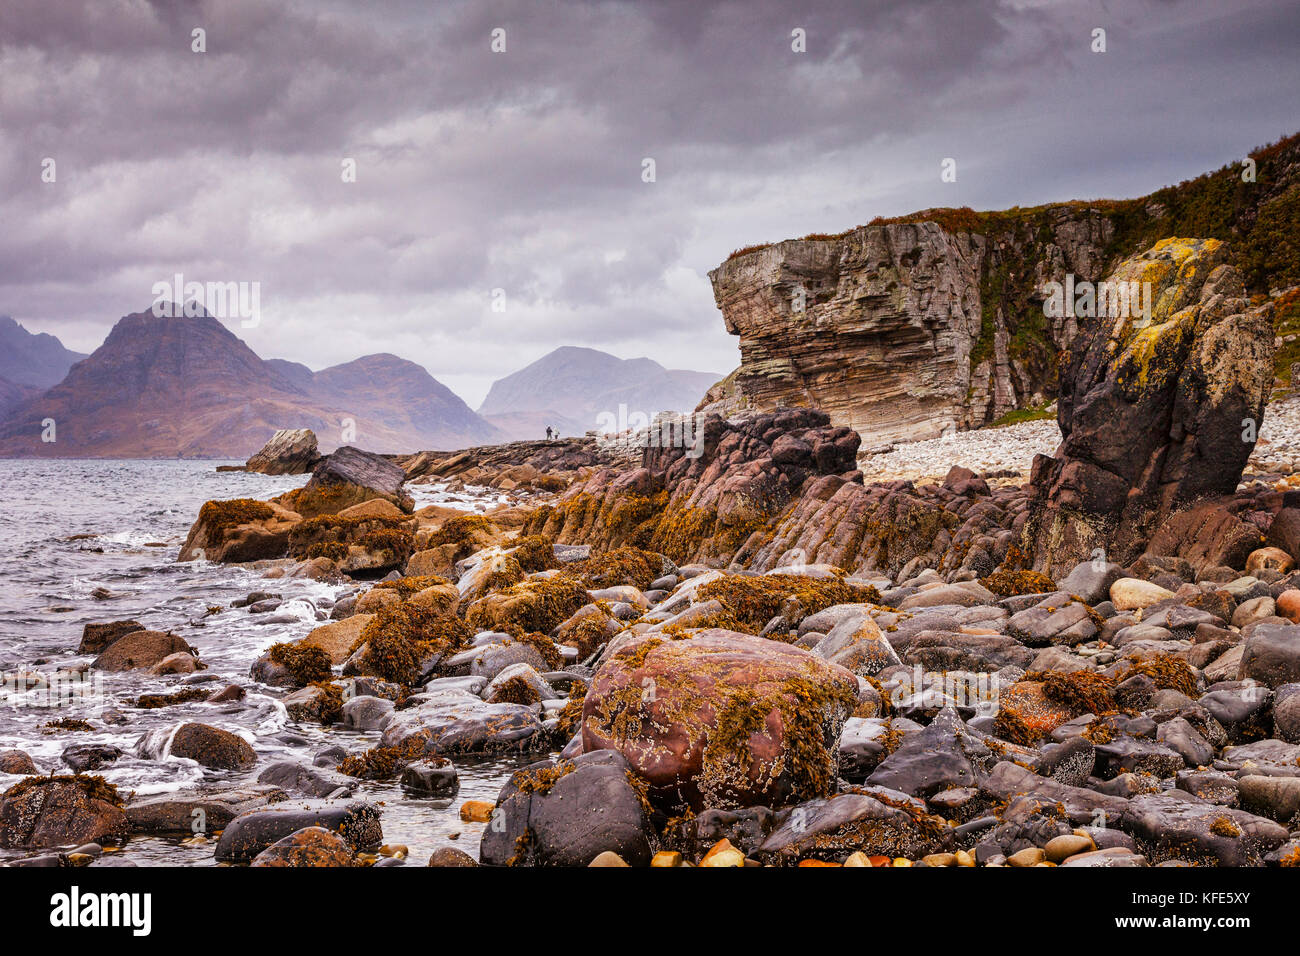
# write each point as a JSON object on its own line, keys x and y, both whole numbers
{"x": 522, "y": 170}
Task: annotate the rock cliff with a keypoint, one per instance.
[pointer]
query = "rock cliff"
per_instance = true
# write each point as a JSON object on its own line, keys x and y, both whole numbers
{"x": 904, "y": 329}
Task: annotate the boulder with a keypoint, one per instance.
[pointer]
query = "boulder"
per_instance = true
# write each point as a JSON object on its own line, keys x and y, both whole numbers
{"x": 1151, "y": 409}
{"x": 1166, "y": 827}
{"x": 212, "y": 747}
{"x": 349, "y": 477}
{"x": 95, "y": 638}
{"x": 250, "y": 833}
{"x": 140, "y": 650}
{"x": 310, "y": 846}
{"x": 60, "y": 811}
{"x": 568, "y": 813}
{"x": 456, "y": 722}
{"x": 851, "y": 822}
{"x": 1271, "y": 653}
{"x": 203, "y": 811}
{"x": 338, "y": 637}
{"x": 720, "y": 719}
{"x": 291, "y": 451}
{"x": 242, "y": 529}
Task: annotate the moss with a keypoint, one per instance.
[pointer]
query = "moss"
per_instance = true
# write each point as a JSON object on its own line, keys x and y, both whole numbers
{"x": 220, "y": 516}
{"x": 570, "y": 717}
{"x": 528, "y": 606}
{"x": 400, "y": 637}
{"x": 1225, "y": 827}
{"x": 752, "y": 601}
{"x": 311, "y": 538}
{"x": 1012, "y": 583}
{"x": 413, "y": 584}
{"x": 182, "y": 696}
{"x": 516, "y": 690}
{"x": 551, "y": 656}
{"x": 539, "y": 781}
{"x": 535, "y": 552}
{"x": 73, "y": 724}
{"x": 331, "y": 711}
{"x": 460, "y": 529}
{"x": 381, "y": 763}
{"x": 1083, "y": 691}
{"x": 1166, "y": 672}
{"x": 334, "y": 550}
{"x": 93, "y": 786}
{"x": 588, "y": 635}
{"x": 306, "y": 662}
{"x": 399, "y": 543}
{"x": 618, "y": 567}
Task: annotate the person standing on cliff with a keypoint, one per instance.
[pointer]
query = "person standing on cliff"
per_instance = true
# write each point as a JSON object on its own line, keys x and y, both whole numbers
{"x": 548, "y": 432}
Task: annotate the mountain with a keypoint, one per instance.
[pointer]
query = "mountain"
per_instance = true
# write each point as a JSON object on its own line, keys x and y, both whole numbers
{"x": 12, "y": 394}
{"x": 571, "y": 388}
{"x": 406, "y": 398}
{"x": 38, "y": 360}
{"x": 168, "y": 387}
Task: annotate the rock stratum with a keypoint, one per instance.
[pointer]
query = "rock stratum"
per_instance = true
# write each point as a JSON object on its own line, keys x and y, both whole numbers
{"x": 904, "y": 329}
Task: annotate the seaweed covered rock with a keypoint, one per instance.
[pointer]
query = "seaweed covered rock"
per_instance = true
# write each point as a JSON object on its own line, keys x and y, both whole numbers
{"x": 349, "y": 477}
{"x": 529, "y": 606}
{"x": 248, "y": 834}
{"x": 567, "y": 813}
{"x": 359, "y": 543}
{"x": 874, "y": 824}
{"x": 242, "y": 529}
{"x": 720, "y": 719}
{"x": 60, "y": 810}
{"x": 291, "y": 451}
{"x": 405, "y": 642}
{"x": 310, "y": 846}
{"x": 1155, "y": 410}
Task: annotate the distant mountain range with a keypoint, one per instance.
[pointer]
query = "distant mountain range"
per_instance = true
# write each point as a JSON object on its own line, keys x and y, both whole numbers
{"x": 29, "y": 363}
{"x": 571, "y": 389}
{"x": 168, "y": 387}
{"x": 189, "y": 387}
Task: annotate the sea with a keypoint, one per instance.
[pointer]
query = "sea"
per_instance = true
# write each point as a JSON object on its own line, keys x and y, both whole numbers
{"x": 86, "y": 541}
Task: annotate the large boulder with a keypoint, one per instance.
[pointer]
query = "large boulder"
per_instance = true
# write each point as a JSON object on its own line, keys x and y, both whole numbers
{"x": 291, "y": 451}
{"x": 242, "y": 529}
{"x": 211, "y": 747}
{"x": 60, "y": 811}
{"x": 250, "y": 833}
{"x": 568, "y": 813}
{"x": 139, "y": 650}
{"x": 720, "y": 719}
{"x": 310, "y": 846}
{"x": 1272, "y": 653}
{"x": 349, "y": 477}
{"x": 1151, "y": 412}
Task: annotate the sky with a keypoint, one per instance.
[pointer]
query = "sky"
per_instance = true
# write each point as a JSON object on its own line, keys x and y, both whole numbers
{"x": 500, "y": 205}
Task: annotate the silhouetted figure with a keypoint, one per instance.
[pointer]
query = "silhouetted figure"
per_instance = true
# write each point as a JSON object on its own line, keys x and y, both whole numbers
{"x": 548, "y": 432}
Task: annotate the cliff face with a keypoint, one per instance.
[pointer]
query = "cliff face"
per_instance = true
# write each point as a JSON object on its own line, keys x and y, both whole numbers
{"x": 905, "y": 329}
{"x": 891, "y": 328}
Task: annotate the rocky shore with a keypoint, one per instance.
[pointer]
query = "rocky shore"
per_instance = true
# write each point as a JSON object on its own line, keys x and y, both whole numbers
{"x": 755, "y": 651}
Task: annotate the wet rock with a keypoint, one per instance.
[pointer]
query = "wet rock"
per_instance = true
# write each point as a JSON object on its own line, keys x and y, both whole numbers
{"x": 857, "y": 645}
{"x": 95, "y": 638}
{"x": 311, "y": 781}
{"x": 1083, "y": 806}
{"x": 941, "y": 756}
{"x": 1128, "y": 594}
{"x": 366, "y": 713}
{"x": 1274, "y": 797}
{"x": 1182, "y": 738}
{"x": 197, "y": 812}
{"x": 1242, "y": 708}
{"x": 1091, "y": 580}
{"x": 250, "y": 833}
{"x": 569, "y": 813}
{"x": 460, "y": 723}
{"x": 16, "y": 762}
{"x": 720, "y": 719}
{"x": 310, "y": 846}
{"x": 1286, "y": 713}
{"x": 450, "y": 856}
{"x": 338, "y": 637}
{"x": 84, "y": 757}
{"x": 1272, "y": 654}
{"x": 312, "y": 703}
{"x": 832, "y": 829}
{"x": 139, "y": 650}
{"x": 347, "y": 477}
{"x": 1166, "y": 827}
{"x": 239, "y": 530}
{"x": 212, "y": 747}
{"x": 430, "y": 777}
{"x": 291, "y": 451}
{"x": 518, "y": 684}
{"x": 60, "y": 811}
